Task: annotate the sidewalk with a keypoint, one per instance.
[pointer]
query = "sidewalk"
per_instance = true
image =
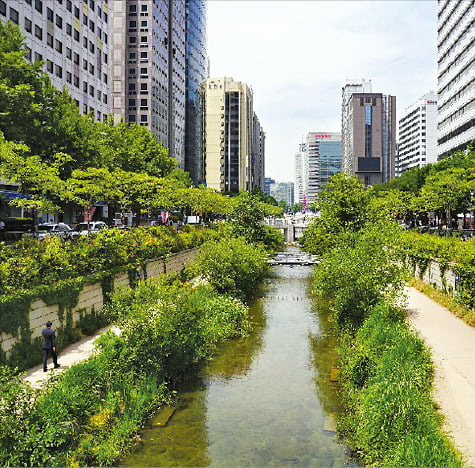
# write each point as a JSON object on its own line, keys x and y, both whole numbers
{"x": 70, "y": 355}
{"x": 452, "y": 343}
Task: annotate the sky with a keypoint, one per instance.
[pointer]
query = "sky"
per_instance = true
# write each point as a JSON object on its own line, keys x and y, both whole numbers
{"x": 297, "y": 55}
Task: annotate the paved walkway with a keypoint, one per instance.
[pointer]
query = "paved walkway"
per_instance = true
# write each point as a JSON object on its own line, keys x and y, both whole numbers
{"x": 70, "y": 355}
{"x": 452, "y": 343}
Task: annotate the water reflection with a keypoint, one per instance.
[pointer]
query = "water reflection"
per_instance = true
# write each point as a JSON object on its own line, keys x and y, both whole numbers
{"x": 256, "y": 403}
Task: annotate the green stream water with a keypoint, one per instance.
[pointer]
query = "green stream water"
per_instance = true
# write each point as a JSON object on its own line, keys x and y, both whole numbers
{"x": 264, "y": 400}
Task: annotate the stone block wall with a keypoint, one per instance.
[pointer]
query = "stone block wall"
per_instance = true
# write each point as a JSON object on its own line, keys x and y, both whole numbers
{"x": 90, "y": 298}
{"x": 432, "y": 275}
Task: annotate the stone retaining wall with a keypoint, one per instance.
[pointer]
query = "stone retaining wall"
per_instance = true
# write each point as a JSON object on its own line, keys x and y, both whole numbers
{"x": 90, "y": 299}
{"x": 432, "y": 275}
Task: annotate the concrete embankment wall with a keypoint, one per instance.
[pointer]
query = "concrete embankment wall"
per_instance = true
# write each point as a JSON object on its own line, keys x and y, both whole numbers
{"x": 91, "y": 299}
{"x": 441, "y": 278}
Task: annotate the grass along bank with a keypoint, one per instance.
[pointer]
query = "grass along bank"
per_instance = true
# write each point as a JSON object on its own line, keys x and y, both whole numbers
{"x": 389, "y": 418}
{"x": 88, "y": 415}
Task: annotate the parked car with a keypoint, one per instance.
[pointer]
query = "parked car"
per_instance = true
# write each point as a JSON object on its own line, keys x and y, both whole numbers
{"x": 53, "y": 229}
{"x": 91, "y": 227}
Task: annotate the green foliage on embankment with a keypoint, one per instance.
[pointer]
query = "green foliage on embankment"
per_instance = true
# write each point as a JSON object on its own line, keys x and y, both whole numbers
{"x": 87, "y": 416}
{"x": 386, "y": 370}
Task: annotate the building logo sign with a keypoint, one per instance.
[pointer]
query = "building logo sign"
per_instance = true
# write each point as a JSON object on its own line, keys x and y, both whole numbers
{"x": 323, "y": 136}
{"x": 431, "y": 102}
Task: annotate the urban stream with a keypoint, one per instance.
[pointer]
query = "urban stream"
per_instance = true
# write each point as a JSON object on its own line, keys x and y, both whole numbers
{"x": 264, "y": 400}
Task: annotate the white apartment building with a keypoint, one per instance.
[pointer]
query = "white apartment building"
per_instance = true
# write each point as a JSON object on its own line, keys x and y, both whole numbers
{"x": 72, "y": 37}
{"x": 228, "y": 134}
{"x": 300, "y": 173}
{"x": 418, "y": 134}
{"x": 148, "y": 68}
{"x": 456, "y": 75}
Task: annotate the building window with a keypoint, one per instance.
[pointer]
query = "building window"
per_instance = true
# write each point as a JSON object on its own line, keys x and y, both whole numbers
{"x": 49, "y": 14}
{"x": 76, "y": 58}
{"x": 144, "y": 24}
{"x": 58, "y": 46}
{"x": 38, "y": 57}
{"x": 104, "y": 38}
{"x": 59, "y": 22}
{"x": 143, "y": 39}
{"x": 28, "y": 25}
{"x": 68, "y": 77}
{"x": 84, "y": 42}
{"x": 91, "y": 46}
{"x": 144, "y": 118}
{"x": 58, "y": 71}
{"x": 76, "y": 12}
{"x": 132, "y": 40}
{"x": 91, "y": 68}
{"x": 91, "y": 5}
{"x": 98, "y": 94}
{"x": 49, "y": 66}
{"x": 132, "y": 118}
{"x": 133, "y": 10}
{"x": 105, "y": 18}
{"x": 39, "y": 6}
{"x": 91, "y": 90}
{"x": 84, "y": 64}
{"x": 3, "y": 8}
{"x": 76, "y": 35}
{"x": 49, "y": 39}
{"x": 106, "y": 58}
{"x": 84, "y": 86}
{"x": 143, "y": 55}
{"x": 143, "y": 72}
{"x": 104, "y": 98}
{"x": 84, "y": 20}
{"x": 69, "y": 5}
{"x": 132, "y": 88}
{"x": 104, "y": 78}
{"x": 84, "y": 108}
{"x": 76, "y": 81}
{"x": 91, "y": 25}
{"x": 69, "y": 29}
{"x": 144, "y": 8}
{"x": 14, "y": 17}
{"x": 28, "y": 54}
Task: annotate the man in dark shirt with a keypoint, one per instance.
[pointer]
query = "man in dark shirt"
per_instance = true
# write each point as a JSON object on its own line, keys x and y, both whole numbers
{"x": 49, "y": 345}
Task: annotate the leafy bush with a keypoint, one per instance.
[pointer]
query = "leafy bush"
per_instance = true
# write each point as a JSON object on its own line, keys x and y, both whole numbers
{"x": 231, "y": 266}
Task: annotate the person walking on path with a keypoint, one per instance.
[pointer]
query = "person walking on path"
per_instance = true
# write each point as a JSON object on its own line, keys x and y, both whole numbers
{"x": 49, "y": 346}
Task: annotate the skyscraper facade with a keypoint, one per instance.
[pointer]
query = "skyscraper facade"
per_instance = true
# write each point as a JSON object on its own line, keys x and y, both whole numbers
{"x": 369, "y": 136}
{"x": 283, "y": 191}
{"x": 196, "y": 71}
{"x": 257, "y": 163}
{"x": 73, "y": 40}
{"x": 323, "y": 159}
{"x": 148, "y": 68}
{"x": 228, "y": 134}
{"x": 456, "y": 75}
{"x": 300, "y": 186}
{"x": 418, "y": 134}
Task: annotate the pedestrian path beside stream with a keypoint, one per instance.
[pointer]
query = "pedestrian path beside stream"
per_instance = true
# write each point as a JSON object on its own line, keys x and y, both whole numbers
{"x": 452, "y": 343}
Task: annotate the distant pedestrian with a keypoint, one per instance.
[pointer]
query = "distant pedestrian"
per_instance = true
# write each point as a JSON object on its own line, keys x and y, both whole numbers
{"x": 49, "y": 345}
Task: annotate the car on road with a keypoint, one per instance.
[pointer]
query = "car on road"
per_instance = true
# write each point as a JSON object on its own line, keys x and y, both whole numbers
{"x": 91, "y": 227}
{"x": 53, "y": 229}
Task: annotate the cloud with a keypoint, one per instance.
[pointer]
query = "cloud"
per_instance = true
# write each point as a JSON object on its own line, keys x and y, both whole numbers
{"x": 297, "y": 55}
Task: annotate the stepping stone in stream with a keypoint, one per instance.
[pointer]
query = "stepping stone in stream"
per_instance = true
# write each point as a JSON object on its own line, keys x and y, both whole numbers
{"x": 164, "y": 416}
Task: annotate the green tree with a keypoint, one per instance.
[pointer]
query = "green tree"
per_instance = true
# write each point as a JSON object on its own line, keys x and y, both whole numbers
{"x": 246, "y": 217}
{"x": 132, "y": 148}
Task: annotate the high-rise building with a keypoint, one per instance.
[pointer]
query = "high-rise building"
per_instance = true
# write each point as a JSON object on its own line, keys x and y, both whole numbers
{"x": 300, "y": 173}
{"x": 228, "y": 134}
{"x": 148, "y": 68}
{"x": 369, "y": 135}
{"x": 283, "y": 191}
{"x": 418, "y": 134}
{"x": 323, "y": 158}
{"x": 257, "y": 163}
{"x": 456, "y": 75}
{"x": 73, "y": 40}
{"x": 196, "y": 71}
{"x": 268, "y": 181}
